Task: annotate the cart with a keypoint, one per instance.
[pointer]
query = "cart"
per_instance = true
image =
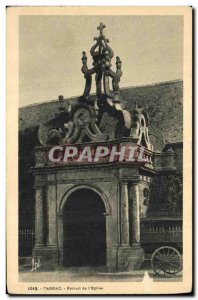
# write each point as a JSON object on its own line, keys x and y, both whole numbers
{"x": 161, "y": 239}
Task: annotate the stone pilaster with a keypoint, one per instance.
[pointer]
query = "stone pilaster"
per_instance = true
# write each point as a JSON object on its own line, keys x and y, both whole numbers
{"x": 131, "y": 257}
{"x": 135, "y": 203}
{"x": 52, "y": 216}
{"x": 39, "y": 217}
{"x": 124, "y": 214}
{"x": 48, "y": 255}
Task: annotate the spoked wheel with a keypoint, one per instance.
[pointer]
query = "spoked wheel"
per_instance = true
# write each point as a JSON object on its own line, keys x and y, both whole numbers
{"x": 166, "y": 260}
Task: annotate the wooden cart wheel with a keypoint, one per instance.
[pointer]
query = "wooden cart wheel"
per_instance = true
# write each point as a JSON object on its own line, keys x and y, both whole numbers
{"x": 166, "y": 260}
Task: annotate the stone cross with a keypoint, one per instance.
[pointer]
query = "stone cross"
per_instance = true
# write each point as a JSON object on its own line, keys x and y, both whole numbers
{"x": 101, "y": 27}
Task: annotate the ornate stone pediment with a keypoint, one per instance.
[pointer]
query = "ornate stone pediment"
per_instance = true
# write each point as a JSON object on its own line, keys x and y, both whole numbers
{"x": 101, "y": 117}
{"x": 84, "y": 124}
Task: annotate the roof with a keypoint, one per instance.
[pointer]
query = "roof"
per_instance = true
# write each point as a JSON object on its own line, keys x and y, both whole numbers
{"x": 162, "y": 101}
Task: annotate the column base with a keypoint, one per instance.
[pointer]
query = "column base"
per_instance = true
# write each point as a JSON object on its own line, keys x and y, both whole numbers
{"x": 130, "y": 258}
{"x": 48, "y": 257}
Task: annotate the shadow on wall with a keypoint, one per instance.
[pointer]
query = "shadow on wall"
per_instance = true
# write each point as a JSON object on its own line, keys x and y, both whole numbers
{"x": 27, "y": 142}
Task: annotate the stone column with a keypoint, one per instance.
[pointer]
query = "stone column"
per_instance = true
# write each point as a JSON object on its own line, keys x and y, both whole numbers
{"x": 135, "y": 198}
{"x": 39, "y": 217}
{"x": 52, "y": 219}
{"x": 124, "y": 214}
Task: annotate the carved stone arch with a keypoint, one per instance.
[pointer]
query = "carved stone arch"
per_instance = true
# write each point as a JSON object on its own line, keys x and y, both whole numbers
{"x": 91, "y": 187}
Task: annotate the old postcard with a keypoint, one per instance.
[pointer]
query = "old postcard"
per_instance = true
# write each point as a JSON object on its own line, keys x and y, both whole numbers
{"x": 99, "y": 150}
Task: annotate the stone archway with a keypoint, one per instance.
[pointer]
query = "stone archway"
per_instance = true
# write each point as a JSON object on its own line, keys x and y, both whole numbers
{"x": 84, "y": 229}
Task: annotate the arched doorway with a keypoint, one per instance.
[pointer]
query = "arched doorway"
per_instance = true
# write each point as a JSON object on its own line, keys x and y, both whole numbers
{"x": 84, "y": 229}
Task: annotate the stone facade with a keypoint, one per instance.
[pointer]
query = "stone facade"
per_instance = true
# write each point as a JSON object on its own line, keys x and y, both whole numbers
{"x": 117, "y": 184}
{"x": 120, "y": 186}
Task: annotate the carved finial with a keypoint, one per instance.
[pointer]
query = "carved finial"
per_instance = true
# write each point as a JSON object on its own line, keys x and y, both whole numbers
{"x": 101, "y": 27}
{"x": 84, "y": 58}
{"x": 61, "y": 99}
{"x": 102, "y": 54}
{"x": 118, "y": 60}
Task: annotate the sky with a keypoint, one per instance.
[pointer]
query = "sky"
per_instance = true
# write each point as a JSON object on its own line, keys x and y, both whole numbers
{"x": 50, "y": 51}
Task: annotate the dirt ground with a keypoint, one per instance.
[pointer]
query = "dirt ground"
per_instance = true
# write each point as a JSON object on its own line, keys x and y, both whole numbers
{"x": 84, "y": 274}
